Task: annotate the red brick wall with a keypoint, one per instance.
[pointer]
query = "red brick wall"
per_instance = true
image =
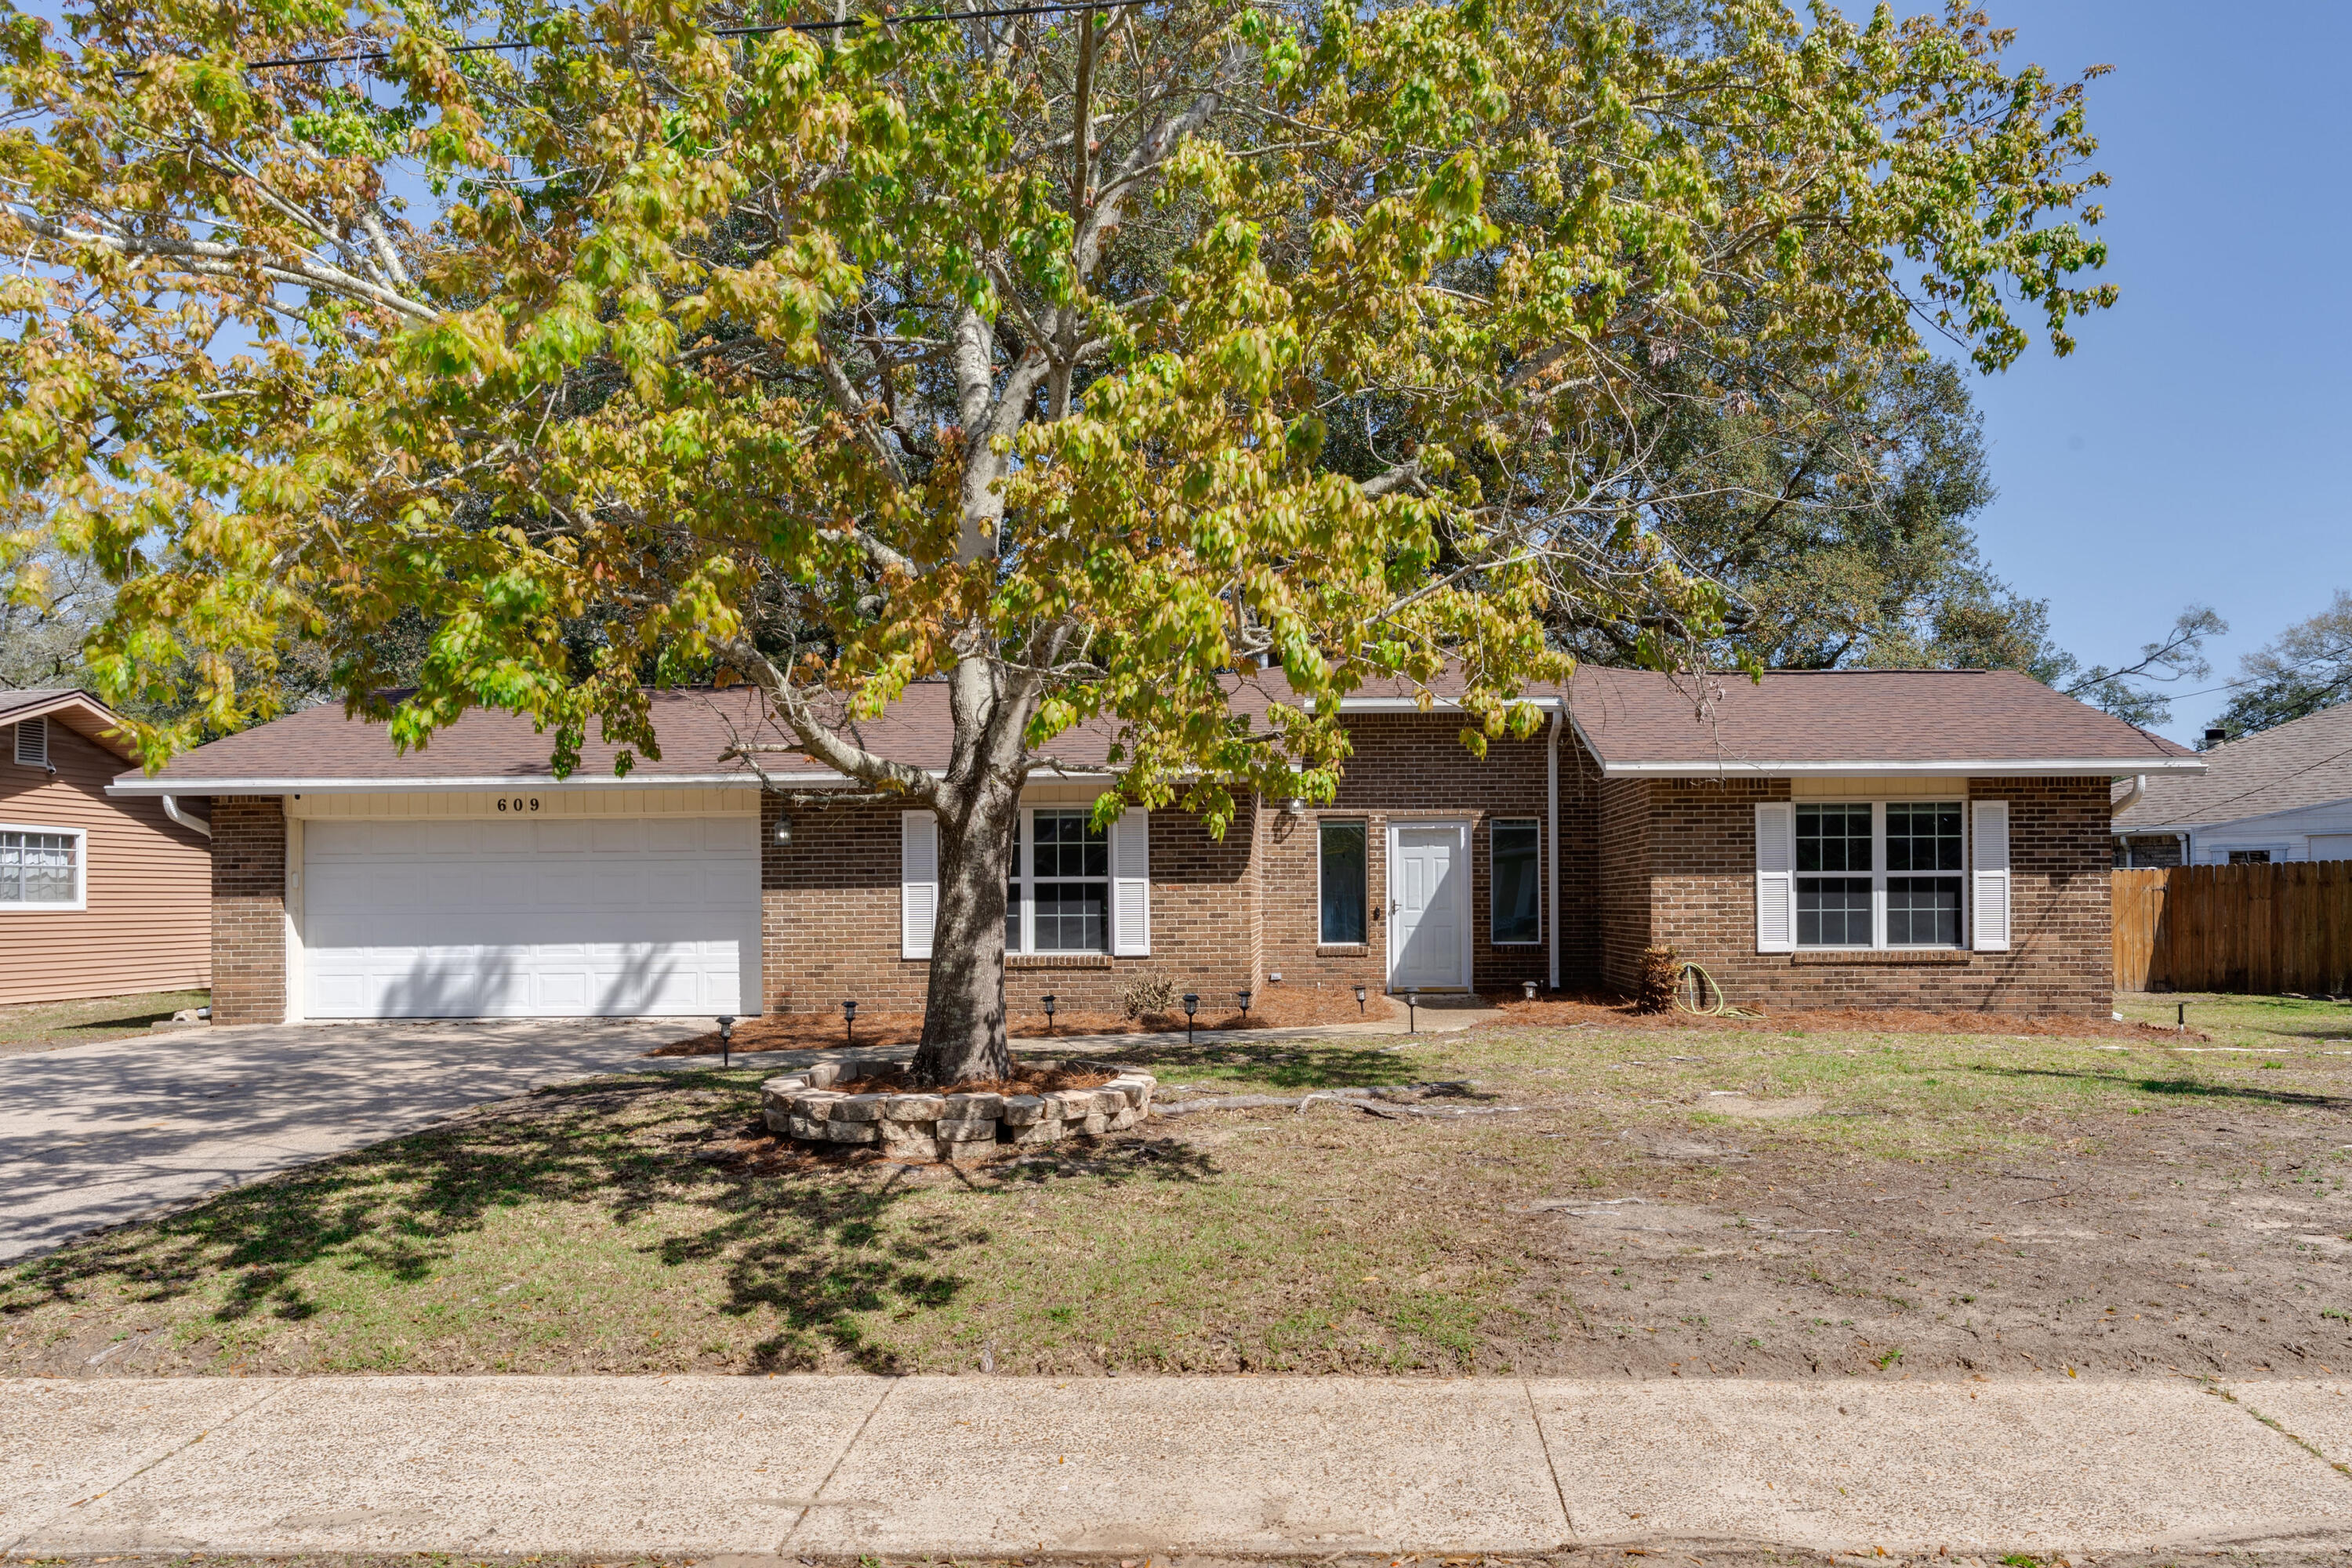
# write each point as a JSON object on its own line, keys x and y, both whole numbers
{"x": 830, "y": 918}
{"x": 249, "y": 909}
{"x": 1691, "y": 844}
{"x": 1413, "y": 765}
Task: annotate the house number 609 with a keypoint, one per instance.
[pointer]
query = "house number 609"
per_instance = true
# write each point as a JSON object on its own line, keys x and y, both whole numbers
{"x": 519, "y": 804}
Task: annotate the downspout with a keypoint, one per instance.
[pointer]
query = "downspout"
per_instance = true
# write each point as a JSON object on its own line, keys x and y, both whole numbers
{"x": 1551, "y": 847}
{"x": 2131, "y": 799}
{"x": 193, "y": 823}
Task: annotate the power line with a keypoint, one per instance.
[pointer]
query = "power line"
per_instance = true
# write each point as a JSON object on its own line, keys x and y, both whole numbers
{"x": 990, "y": 12}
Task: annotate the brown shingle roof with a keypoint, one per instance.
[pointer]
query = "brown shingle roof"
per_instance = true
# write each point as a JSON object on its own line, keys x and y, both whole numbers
{"x": 1635, "y": 721}
{"x": 2306, "y": 762}
{"x": 1957, "y": 720}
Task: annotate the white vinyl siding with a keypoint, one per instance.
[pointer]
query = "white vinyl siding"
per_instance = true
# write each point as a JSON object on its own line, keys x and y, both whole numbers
{"x": 1988, "y": 906}
{"x": 918, "y": 882}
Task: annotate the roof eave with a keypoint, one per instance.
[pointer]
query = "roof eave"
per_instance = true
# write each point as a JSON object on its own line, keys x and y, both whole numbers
{"x": 1971, "y": 767}
{"x": 143, "y": 784}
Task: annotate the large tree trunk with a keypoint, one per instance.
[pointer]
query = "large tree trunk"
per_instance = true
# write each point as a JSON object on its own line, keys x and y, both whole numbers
{"x": 978, "y": 802}
{"x": 964, "y": 1013}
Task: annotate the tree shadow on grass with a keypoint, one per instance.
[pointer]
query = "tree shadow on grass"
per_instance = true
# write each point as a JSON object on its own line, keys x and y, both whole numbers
{"x": 2188, "y": 1087}
{"x": 818, "y": 1244}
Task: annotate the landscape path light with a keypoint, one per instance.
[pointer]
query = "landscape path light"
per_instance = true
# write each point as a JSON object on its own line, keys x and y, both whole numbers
{"x": 1411, "y": 1018}
{"x": 1192, "y": 1005}
{"x": 849, "y": 1016}
{"x": 1049, "y": 999}
{"x": 1529, "y": 986}
{"x": 1243, "y": 998}
{"x": 1359, "y": 999}
{"x": 726, "y": 1038}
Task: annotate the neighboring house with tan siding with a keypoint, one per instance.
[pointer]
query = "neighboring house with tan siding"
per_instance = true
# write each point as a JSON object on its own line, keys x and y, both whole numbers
{"x": 1851, "y": 838}
{"x": 100, "y": 895}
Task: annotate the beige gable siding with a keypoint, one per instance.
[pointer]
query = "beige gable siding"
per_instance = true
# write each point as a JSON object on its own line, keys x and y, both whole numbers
{"x": 146, "y": 924}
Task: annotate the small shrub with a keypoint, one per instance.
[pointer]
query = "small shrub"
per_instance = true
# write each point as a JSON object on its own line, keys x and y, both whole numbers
{"x": 1150, "y": 993}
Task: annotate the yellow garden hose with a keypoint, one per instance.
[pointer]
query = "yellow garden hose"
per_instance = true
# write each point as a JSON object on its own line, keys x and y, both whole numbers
{"x": 1722, "y": 1007}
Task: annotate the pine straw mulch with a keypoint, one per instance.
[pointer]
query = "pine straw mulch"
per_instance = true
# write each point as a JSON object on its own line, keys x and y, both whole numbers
{"x": 1276, "y": 1007}
{"x": 1603, "y": 1011}
{"x": 1028, "y": 1077}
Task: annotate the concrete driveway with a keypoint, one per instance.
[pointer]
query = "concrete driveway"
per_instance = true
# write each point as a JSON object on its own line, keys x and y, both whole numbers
{"x": 96, "y": 1135}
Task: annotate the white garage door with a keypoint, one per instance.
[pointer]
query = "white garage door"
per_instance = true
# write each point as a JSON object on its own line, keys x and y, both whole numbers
{"x": 593, "y": 917}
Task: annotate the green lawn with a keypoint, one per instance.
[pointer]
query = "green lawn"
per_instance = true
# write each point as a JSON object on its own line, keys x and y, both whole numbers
{"x": 2247, "y": 1023}
{"x": 44, "y": 1025}
{"x": 634, "y": 1225}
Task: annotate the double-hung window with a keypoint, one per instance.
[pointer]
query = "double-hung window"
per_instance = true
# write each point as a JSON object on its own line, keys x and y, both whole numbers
{"x": 1060, "y": 889}
{"x": 1833, "y": 875}
{"x": 40, "y": 871}
{"x": 1340, "y": 883}
{"x": 1875, "y": 875}
{"x": 1924, "y": 850}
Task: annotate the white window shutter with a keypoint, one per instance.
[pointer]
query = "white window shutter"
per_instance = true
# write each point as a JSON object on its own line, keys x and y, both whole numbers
{"x": 918, "y": 882}
{"x": 1989, "y": 909}
{"x": 1130, "y": 884}
{"x": 1776, "y": 877}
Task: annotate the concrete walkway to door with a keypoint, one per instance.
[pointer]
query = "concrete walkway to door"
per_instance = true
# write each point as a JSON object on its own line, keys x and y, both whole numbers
{"x": 100, "y": 1134}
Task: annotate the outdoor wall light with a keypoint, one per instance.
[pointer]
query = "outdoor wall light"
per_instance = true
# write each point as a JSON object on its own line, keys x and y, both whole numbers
{"x": 1049, "y": 1000}
{"x": 783, "y": 828}
{"x": 726, "y": 1037}
{"x": 849, "y": 1017}
{"x": 1192, "y": 1005}
{"x": 1359, "y": 999}
{"x": 1243, "y": 998}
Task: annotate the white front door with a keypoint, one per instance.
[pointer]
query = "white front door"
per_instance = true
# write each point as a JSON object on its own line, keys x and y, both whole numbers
{"x": 1429, "y": 879}
{"x": 577, "y": 917}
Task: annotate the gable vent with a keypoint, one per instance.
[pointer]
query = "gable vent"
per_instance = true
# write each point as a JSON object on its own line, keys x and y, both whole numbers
{"x": 33, "y": 742}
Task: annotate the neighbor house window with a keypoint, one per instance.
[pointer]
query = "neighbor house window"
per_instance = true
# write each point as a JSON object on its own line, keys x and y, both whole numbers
{"x": 1343, "y": 884}
{"x": 1518, "y": 861}
{"x": 39, "y": 871}
{"x": 33, "y": 742}
{"x": 1855, "y": 860}
{"x": 2250, "y": 857}
{"x": 1068, "y": 890}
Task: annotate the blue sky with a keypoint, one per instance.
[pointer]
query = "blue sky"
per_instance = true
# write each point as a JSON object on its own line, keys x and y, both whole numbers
{"x": 2193, "y": 447}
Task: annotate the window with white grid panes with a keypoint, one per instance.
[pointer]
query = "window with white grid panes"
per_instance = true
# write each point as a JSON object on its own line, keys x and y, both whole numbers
{"x": 1880, "y": 873}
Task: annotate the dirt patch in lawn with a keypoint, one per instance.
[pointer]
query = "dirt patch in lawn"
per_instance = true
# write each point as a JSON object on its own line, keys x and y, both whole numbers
{"x": 1274, "y": 1009}
{"x": 1603, "y": 1011}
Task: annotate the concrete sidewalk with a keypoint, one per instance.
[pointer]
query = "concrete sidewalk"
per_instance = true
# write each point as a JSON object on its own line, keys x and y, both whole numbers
{"x": 824, "y": 1466}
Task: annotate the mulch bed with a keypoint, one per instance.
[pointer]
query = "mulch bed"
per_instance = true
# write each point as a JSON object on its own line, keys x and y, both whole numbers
{"x": 1617, "y": 1013}
{"x": 1026, "y": 1079}
{"x": 1276, "y": 1007}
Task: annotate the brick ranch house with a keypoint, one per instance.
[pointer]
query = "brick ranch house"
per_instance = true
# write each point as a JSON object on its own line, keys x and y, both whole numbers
{"x": 1848, "y": 837}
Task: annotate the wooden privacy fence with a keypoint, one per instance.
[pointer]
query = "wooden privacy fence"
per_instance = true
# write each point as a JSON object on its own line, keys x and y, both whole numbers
{"x": 2235, "y": 928}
